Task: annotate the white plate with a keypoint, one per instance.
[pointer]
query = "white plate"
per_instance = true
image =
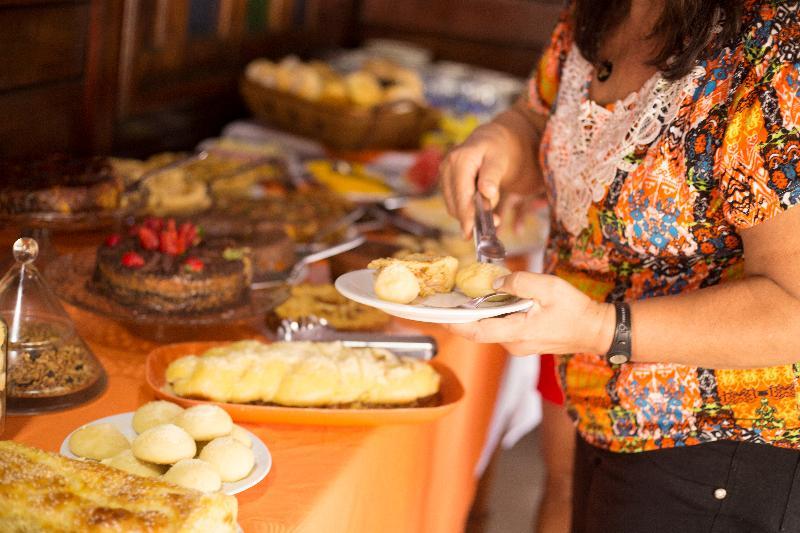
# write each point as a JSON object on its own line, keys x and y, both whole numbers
{"x": 124, "y": 423}
{"x": 357, "y": 286}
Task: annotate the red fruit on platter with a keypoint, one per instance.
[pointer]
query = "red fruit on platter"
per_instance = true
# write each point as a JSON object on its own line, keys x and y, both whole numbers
{"x": 113, "y": 240}
{"x": 169, "y": 239}
{"x": 187, "y": 234}
{"x": 193, "y": 264}
{"x": 155, "y": 224}
{"x": 132, "y": 260}
{"x": 169, "y": 243}
{"x": 424, "y": 171}
{"x": 148, "y": 238}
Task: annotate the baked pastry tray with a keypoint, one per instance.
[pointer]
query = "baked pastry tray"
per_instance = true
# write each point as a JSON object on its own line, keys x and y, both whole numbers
{"x": 451, "y": 393}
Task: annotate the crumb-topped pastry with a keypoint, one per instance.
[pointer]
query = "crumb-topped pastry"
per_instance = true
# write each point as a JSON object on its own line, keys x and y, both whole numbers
{"x": 42, "y": 491}
{"x": 165, "y": 267}
{"x": 403, "y": 280}
{"x": 59, "y": 184}
{"x": 324, "y": 301}
{"x": 303, "y": 374}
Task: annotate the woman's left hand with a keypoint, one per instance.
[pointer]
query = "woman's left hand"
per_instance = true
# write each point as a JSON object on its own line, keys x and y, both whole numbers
{"x": 561, "y": 320}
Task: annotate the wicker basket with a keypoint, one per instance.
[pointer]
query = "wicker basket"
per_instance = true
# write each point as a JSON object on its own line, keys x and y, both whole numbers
{"x": 394, "y": 125}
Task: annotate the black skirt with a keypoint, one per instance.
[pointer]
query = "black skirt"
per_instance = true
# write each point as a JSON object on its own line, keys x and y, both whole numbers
{"x": 720, "y": 487}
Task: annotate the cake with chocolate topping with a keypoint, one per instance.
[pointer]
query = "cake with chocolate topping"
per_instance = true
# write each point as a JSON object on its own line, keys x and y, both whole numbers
{"x": 164, "y": 267}
{"x": 271, "y": 250}
{"x": 59, "y": 184}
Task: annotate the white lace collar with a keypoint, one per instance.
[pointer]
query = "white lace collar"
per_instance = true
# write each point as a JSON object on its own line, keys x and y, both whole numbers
{"x": 590, "y": 143}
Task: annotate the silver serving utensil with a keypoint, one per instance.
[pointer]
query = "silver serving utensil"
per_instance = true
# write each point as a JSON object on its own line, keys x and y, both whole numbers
{"x": 315, "y": 329}
{"x": 293, "y": 275}
{"x": 488, "y": 247}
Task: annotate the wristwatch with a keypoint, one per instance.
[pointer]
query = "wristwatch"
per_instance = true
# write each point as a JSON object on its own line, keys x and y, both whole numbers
{"x": 620, "y": 351}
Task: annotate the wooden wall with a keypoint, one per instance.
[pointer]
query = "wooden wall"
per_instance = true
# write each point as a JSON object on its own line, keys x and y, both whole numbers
{"x": 132, "y": 77}
{"x": 506, "y": 35}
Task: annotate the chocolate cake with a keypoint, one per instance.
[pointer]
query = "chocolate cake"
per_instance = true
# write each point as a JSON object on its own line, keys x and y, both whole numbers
{"x": 58, "y": 184}
{"x": 164, "y": 267}
{"x": 271, "y": 250}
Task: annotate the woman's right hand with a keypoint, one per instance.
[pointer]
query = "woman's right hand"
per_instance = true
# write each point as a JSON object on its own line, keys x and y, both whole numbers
{"x": 498, "y": 158}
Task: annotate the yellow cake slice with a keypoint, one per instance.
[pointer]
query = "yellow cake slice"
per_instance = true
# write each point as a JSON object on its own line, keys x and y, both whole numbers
{"x": 43, "y": 491}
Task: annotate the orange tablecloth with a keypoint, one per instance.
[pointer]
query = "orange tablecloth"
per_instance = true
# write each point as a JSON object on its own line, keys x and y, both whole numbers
{"x": 414, "y": 478}
{"x": 402, "y": 478}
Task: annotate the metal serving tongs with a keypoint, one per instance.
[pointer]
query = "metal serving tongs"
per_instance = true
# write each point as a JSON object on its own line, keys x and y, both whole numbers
{"x": 488, "y": 247}
{"x": 317, "y": 329}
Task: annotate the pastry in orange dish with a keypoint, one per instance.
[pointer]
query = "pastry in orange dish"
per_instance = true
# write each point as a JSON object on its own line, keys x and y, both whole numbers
{"x": 304, "y": 374}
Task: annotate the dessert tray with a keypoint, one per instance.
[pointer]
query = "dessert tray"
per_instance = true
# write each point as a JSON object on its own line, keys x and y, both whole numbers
{"x": 70, "y": 276}
{"x": 124, "y": 423}
{"x": 451, "y": 393}
{"x": 358, "y": 286}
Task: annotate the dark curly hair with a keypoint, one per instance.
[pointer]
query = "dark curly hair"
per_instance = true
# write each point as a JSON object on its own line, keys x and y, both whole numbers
{"x": 684, "y": 29}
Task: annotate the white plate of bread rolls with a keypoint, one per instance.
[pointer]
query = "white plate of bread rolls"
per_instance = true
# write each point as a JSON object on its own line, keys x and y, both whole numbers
{"x": 428, "y": 288}
{"x": 198, "y": 448}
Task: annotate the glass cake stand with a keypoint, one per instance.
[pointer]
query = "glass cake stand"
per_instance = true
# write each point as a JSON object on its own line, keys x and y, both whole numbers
{"x": 70, "y": 276}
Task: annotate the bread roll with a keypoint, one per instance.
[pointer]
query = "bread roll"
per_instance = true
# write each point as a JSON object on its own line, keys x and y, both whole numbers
{"x": 205, "y": 422}
{"x": 306, "y": 83}
{"x": 396, "y": 283}
{"x": 477, "y": 279}
{"x": 154, "y": 414}
{"x": 241, "y": 435}
{"x": 399, "y": 93}
{"x": 364, "y": 89}
{"x": 194, "y": 474}
{"x": 334, "y": 91}
{"x": 262, "y": 71}
{"x": 164, "y": 444}
{"x": 232, "y": 459}
{"x": 98, "y": 441}
{"x": 127, "y": 462}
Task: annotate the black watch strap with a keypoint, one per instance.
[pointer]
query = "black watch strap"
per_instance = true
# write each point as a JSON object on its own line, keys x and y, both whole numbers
{"x": 620, "y": 351}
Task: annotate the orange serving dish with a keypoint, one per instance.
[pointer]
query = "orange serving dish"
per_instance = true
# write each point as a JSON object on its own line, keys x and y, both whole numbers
{"x": 157, "y": 361}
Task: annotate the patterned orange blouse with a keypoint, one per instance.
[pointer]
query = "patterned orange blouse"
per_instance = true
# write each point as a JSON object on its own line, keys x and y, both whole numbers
{"x": 648, "y": 196}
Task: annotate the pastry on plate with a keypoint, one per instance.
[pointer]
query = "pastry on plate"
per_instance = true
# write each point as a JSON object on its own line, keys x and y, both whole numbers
{"x": 205, "y": 422}
{"x": 127, "y": 462}
{"x": 41, "y": 491}
{"x": 194, "y": 474}
{"x": 478, "y": 279}
{"x": 434, "y": 274}
{"x": 164, "y": 445}
{"x": 232, "y": 459}
{"x": 397, "y": 283}
{"x": 304, "y": 374}
{"x": 154, "y": 414}
{"x": 98, "y": 441}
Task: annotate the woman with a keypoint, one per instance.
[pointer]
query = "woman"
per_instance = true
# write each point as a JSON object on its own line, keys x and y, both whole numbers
{"x": 668, "y": 140}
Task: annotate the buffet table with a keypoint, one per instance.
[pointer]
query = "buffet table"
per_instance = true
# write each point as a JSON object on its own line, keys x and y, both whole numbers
{"x": 390, "y": 478}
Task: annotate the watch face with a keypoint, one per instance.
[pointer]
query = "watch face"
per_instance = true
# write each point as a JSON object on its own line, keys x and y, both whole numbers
{"x": 618, "y": 358}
